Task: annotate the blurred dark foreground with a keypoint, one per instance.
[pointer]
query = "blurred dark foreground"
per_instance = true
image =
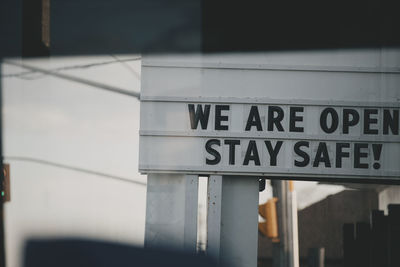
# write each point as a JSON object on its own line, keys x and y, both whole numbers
{"x": 90, "y": 253}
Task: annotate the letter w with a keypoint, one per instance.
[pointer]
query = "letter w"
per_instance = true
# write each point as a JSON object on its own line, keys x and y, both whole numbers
{"x": 199, "y": 115}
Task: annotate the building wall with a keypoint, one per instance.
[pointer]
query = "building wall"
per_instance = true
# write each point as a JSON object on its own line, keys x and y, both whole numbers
{"x": 390, "y": 195}
{"x": 320, "y": 225}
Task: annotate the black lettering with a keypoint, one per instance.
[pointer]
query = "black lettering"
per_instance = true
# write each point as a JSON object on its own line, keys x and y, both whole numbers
{"x": 390, "y": 121}
{"x": 322, "y": 156}
{"x": 347, "y": 122}
{"x": 232, "y": 144}
{"x": 324, "y": 120}
{"x": 254, "y": 119}
{"x": 273, "y": 151}
{"x": 368, "y": 121}
{"x": 199, "y": 115}
{"x": 294, "y": 118}
{"x": 377, "y": 150}
{"x": 213, "y": 152}
{"x": 219, "y": 118}
{"x": 301, "y": 153}
{"x": 340, "y": 154}
{"x": 252, "y": 154}
{"x": 358, "y": 155}
{"x": 272, "y": 120}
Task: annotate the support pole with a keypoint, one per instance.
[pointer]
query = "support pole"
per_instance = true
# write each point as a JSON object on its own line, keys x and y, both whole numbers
{"x": 171, "y": 212}
{"x": 232, "y": 220}
{"x": 280, "y": 249}
{"x": 286, "y": 251}
{"x": 316, "y": 257}
{"x": 293, "y": 226}
{"x": 214, "y": 196}
{"x": 2, "y": 232}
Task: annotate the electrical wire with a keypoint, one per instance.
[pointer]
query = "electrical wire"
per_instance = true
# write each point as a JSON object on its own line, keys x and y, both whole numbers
{"x": 76, "y": 79}
{"x": 33, "y": 69}
{"x": 126, "y": 65}
{"x": 73, "y": 168}
{"x": 82, "y": 66}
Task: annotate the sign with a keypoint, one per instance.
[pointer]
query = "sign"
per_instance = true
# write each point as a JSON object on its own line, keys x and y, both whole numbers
{"x": 249, "y": 133}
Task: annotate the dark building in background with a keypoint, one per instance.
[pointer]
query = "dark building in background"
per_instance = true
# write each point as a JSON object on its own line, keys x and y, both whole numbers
{"x": 321, "y": 225}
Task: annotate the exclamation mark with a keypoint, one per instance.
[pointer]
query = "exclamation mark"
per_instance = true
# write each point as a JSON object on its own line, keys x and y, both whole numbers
{"x": 377, "y": 149}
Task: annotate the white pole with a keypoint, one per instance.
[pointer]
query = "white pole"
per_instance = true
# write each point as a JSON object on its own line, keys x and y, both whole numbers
{"x": 171, "y": 211}
{"x": 232, "y": 220}
{"x": 294, "y": 224}
{"x": 214, "y": 196}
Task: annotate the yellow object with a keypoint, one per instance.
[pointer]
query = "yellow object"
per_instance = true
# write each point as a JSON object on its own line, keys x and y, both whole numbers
{"x": 291, "y": 186}
{"x": 5, "y": 195}
{"x": 269, "y": 228}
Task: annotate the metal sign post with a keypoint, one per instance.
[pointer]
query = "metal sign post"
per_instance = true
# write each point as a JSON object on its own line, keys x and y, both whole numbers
{"x": 286, "y": 251}
{"x": 171, "y": 211}
{"x": 232, "y": 220}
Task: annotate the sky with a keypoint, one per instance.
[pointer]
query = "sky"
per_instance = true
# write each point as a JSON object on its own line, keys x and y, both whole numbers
{"x": 51, "y": 119}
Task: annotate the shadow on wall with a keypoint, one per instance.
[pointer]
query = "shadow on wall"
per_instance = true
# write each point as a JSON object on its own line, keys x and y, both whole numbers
{"x": 90, "y": 253}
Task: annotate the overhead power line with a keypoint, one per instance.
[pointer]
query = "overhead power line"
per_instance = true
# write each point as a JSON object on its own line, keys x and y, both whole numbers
{"x": 95, "y": 84}
{"x": 126, "y": 65}
{"x": 73, "y": 168}
{"x": 80, "y": 66}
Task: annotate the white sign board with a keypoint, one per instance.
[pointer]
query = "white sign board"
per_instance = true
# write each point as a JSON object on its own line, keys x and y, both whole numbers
{"x": 240, "y": 115}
